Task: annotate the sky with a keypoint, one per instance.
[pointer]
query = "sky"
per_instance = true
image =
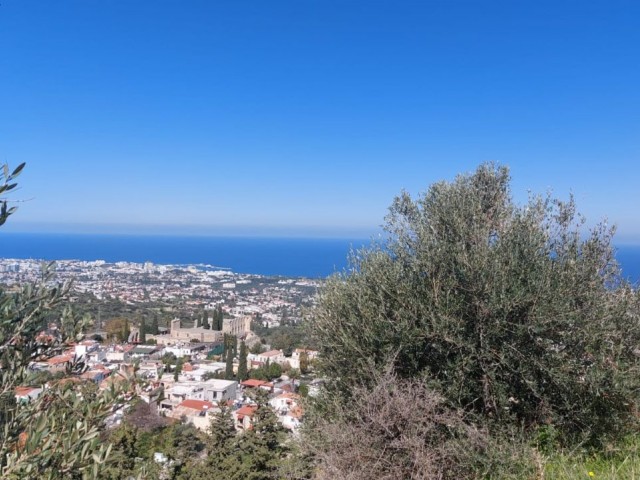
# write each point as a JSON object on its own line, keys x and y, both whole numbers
{"x": 306, "y": 117}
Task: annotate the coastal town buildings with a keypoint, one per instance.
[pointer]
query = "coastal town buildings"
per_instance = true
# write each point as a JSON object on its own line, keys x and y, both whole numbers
{"x": 193, "y": 392}
{"x": 183, "y": 291}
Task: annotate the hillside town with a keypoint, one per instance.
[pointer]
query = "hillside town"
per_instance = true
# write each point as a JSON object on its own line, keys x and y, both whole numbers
{"x": 182, "y": 382}
{"x": 172, "y": 290}
{"x": 187, "y": 370}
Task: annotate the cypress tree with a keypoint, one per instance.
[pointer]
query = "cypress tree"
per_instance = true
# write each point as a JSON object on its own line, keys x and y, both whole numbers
{"x": 225, "y": 347}
{"x": 142, "y": 336}
{"x": 257, "y": 454}
{"x": 218, "y": 318}
{"x": 223, "y": 459}
{"x": 178, "y": 369}
{"x": 221, "y": 430}
{"x": 242, "y": 367}
{"x": 265, "y": 442}
{"x": 228, "y": 373}
{"x": 154, "y": 326}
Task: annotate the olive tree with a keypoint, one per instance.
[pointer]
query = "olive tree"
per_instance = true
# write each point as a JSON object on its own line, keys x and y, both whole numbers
{"x": 56, "y": 435}
{"x": 515, "y": 314}
{"x": 7, "y": 183}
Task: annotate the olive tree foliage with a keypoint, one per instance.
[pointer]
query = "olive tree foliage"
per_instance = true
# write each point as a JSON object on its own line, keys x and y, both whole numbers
{"x": 513, "y": 313}
{"x": 55, "y": 436}
{"x": 7, "y": 183}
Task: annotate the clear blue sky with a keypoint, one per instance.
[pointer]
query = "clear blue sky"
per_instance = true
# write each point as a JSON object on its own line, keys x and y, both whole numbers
{"x": 308, "y": 116}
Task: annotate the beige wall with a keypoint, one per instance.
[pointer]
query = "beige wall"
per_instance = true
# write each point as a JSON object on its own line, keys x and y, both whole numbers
{"x": 237, "y": 326}
{"x": 234, "y": 326}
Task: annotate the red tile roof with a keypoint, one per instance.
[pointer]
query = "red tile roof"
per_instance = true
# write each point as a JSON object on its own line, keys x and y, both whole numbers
{"x": 57, "y": 360}
{"x": 253, "y": 383}
{"x": 296, "y": 412}
{"x": 197, "y": 404}
{"x": 247, "y": 410}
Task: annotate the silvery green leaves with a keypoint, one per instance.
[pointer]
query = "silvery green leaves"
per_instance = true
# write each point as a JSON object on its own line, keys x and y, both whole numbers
{"x": 55, "y": 435}
{"x": 514, "y": 313}
{"x": 58, "y": 434}
{"x": 7, "y": 184}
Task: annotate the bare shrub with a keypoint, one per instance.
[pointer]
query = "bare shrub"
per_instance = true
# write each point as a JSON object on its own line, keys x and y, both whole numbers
{"x": 399, "y": 429}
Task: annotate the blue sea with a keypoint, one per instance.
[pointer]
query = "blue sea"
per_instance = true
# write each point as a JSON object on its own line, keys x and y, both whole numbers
{"x": 292, "y": 257}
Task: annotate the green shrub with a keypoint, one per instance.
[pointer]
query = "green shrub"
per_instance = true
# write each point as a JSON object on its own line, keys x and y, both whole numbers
{"x": 511, "y": 312}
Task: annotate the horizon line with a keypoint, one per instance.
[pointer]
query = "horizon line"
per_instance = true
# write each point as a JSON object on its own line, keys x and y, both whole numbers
{"x": 346, "y": 234}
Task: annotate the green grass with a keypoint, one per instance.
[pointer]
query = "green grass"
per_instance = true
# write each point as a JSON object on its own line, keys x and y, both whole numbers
{"x": 621, "y": 463}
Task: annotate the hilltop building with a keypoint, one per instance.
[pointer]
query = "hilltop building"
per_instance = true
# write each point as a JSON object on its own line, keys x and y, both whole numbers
{"x": 239, "y": 326}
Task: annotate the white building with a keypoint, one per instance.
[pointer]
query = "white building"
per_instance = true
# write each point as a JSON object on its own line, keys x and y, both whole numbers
{"x": 288, "y": 409}
{"x": 117, "y": 356}
{"x": 210, "y": 391}
{"x": 272, "y": 356}
{"x": 220, "y": 390}
{"x": 183, "y": 350}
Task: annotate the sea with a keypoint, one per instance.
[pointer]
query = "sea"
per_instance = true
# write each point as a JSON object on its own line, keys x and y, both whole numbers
{"x": 289, "y": 257}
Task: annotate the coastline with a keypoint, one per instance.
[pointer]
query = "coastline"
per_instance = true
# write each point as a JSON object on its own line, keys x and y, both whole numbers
{"x": 271, "y": 256}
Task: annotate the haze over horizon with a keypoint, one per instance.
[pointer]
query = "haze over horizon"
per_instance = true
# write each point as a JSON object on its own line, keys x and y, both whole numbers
{"x": 306, "y": 118}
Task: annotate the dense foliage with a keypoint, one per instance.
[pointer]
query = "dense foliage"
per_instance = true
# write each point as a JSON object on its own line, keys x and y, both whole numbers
{"x": 259, "y": 453}
{"x": 285, "y": 337}
{"x": 143, "y": 435}
{"x": 507, "y": 311}
{"x": 56, "y": 435}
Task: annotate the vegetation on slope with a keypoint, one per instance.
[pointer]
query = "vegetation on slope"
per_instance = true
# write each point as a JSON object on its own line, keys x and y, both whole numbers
{"x": 482, "y": 340}
{"x": 520, "y": 322}
{"x": 55, "y": 436}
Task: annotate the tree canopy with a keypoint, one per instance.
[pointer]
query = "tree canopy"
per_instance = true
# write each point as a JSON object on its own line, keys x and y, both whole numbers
{"x": 513, "y": 313}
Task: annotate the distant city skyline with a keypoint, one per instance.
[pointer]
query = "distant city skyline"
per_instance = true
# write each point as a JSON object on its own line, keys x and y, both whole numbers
{"x": 294, "y": 118}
